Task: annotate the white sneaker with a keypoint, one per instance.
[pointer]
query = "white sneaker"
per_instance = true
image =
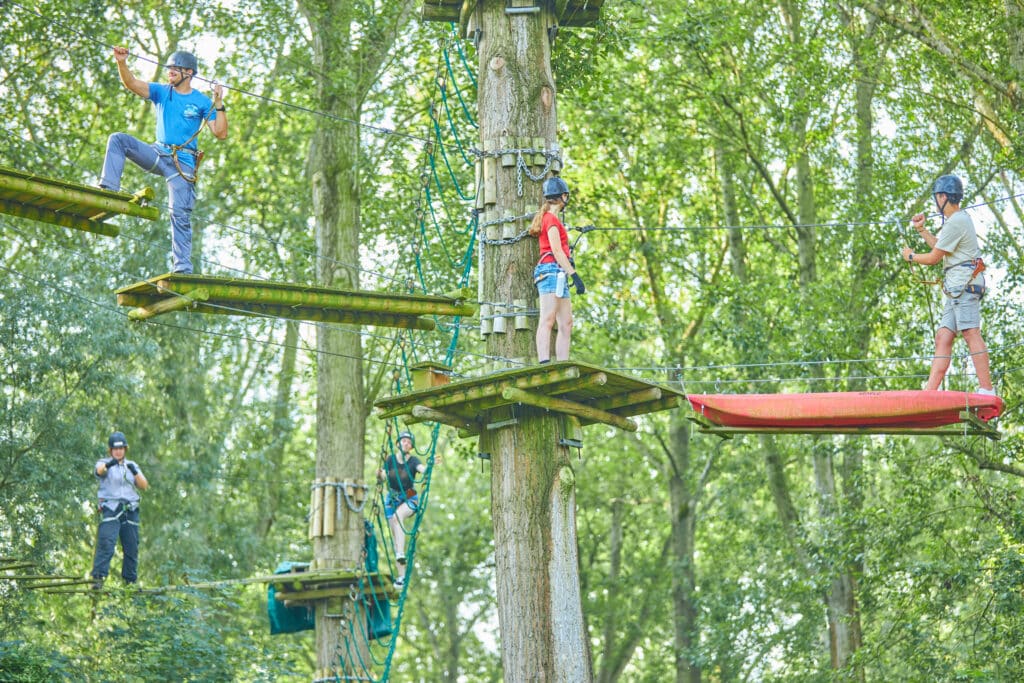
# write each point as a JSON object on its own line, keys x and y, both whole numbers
{"x": 986, "y": 392}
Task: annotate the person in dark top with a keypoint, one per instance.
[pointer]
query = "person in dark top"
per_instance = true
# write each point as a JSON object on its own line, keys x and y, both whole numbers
{"x": 120, "y": 481}
{"x": 400, "y": 470}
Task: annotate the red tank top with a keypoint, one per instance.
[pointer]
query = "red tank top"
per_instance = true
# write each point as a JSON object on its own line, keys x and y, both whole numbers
{"x": 546, "y": 255}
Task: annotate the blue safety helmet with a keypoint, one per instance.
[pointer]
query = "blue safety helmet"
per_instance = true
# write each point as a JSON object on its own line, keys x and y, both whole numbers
{"x": 406, "y": 435}
{"x": 117, "y": 440}
{"x": 554, "y": 187}
{"x": 183, "y": 60}
{"x": 951, "y": 186}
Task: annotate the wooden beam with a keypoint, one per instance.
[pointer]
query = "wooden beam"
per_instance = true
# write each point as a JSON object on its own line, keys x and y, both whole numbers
{"x": 15, "y": 564}
{"x": 174, "y": 303}
{"x": 63, "y": 220}
{"x": 35, "y": 577}
{"x": 290, "y": 312}
{"x": 435, "y": 10}
{"x": 90, "y": 198}
{"x": 360, "y": 302}
{"x": 560, "y": 405}
{"x": 58, "y": 584}
{"x": 425, "y": 414}
{"x": 665, "y": 403}
{"x": 641, "y": 396}
{"x": 596, "y": 379}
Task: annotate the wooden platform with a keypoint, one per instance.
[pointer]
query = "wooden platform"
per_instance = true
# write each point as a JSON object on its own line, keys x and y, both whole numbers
{"x": 319, "y": 584}
{"x": 570, "y": 13}
{"x": 590, "y": 393}
{"x": 70, "y": 205}
{"x": 232, "y": 296}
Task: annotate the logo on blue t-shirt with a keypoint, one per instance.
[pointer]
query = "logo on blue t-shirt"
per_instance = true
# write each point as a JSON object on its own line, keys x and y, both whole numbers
{"x": 191, "y": 112}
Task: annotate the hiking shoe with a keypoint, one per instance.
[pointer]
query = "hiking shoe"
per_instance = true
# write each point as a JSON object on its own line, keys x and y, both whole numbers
{"x": 399, "y": 582}
{"x": 986, "y": 392}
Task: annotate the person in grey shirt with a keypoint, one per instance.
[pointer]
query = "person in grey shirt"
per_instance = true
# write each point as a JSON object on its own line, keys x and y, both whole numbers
{"x": 120, "y": 481}
{"x": 956, "y": 247}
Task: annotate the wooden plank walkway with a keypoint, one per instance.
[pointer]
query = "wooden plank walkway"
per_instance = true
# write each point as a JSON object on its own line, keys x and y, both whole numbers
{"x": 234, "y": 296}
{"x": 67, "y": 204}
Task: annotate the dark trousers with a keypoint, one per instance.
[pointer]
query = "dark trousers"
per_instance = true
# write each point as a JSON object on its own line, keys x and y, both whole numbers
{"x": 124, "y": 524}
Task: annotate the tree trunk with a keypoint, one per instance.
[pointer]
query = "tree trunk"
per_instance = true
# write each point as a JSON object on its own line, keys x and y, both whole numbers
{"x": 737, "y": 247}
{"x": 333, "y": 166}
{"x": 683, "y": 510}
{"x": 282, "y": 428}
{"x": 533, "y": 499}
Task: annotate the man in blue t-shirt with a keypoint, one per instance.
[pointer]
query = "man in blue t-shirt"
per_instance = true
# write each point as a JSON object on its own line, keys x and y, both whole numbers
{"x": 180, "y": 114}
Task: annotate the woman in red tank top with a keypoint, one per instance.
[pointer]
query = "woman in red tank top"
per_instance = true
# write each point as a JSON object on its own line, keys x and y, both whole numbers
{"x": 553, "y": 272}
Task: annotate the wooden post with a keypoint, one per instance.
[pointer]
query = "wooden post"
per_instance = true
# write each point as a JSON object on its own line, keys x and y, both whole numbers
{"x": 330, "y": 505}
{"x": 317, "y": 513}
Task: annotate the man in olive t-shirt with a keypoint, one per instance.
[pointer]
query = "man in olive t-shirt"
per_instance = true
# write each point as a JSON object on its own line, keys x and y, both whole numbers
{"x": 956, "y": 247}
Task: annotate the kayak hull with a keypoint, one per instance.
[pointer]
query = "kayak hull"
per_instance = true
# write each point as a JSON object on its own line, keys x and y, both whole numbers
{"x": 893, "y": 409}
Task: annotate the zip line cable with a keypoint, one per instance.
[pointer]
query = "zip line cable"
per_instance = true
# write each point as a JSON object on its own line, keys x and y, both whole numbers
{"x": 786, "y": 226}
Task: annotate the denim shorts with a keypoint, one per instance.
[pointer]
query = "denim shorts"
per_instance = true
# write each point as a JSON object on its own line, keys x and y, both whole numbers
{"x": 545, "y": 276}
{"x": 962, "y": 313}
{"x": 393, "y": 499}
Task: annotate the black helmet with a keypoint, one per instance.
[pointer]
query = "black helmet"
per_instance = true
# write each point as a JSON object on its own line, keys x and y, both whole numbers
{"x": 183, "y": 60}
{"x": 554, "y": 187}
{"x": 406, "y": 435}
{"x": 951, "y": 186}
{"x": 117, "y": 440}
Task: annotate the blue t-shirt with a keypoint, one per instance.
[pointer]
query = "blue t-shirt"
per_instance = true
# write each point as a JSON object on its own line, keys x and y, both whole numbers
{"x": 178, "y": 117}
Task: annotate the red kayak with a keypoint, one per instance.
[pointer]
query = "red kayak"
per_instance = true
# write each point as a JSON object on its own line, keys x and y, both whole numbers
{"x": 910, "y": 409}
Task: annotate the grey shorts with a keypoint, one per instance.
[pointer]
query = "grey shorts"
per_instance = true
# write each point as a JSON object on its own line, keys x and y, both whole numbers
{"x": 962, "y": 313}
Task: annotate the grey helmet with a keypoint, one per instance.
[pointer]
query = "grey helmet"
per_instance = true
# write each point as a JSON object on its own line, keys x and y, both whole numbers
{"x": 117, "y": 440}
{"x": 554, "y": 187}
{"x": 183, "y": 60}
{"x": 951, "y": 186}
{"x": 406, "y": 435}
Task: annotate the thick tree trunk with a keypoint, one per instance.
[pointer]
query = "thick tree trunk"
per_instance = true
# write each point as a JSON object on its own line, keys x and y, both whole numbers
{"x": 333, "y": 167}
{"x": 533, "y": 500}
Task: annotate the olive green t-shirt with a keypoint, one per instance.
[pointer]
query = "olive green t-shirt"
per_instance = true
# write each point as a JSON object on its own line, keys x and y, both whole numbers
{"x": 961, "y": 241}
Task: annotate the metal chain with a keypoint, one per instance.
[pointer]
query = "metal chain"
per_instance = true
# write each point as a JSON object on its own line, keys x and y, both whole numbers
{"x": 522, "y": 168}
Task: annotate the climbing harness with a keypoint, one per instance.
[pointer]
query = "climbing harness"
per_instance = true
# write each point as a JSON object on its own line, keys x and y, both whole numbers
{"x": 979, "y": 267}
{"x": 198, "y": 154}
